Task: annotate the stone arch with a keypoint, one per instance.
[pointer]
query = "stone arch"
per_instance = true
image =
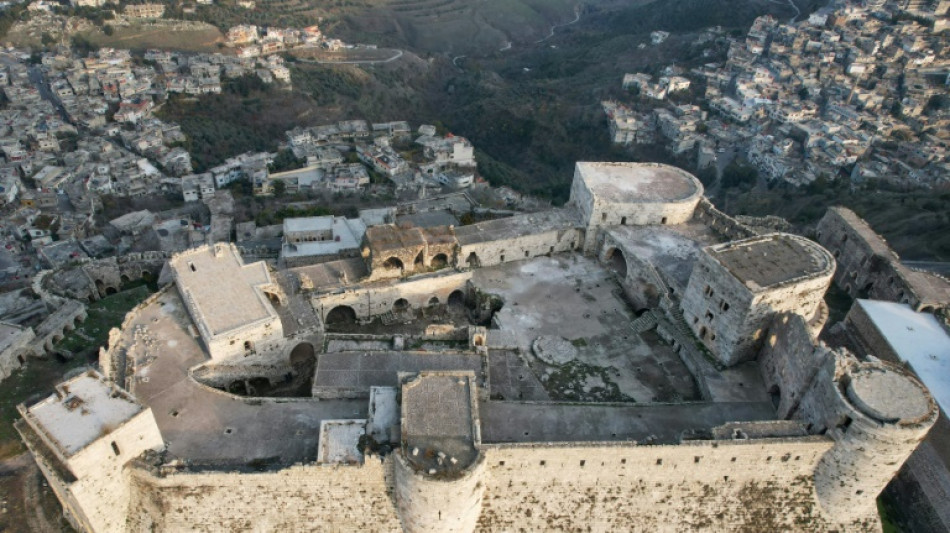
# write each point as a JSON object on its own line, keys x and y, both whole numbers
{"x": 400, "y": 305}
{"x": 21, "y": 359}
{"x": 439, "y": 261}
{"x": 703, "y": 332}
{"x": 419, "y": 262}
{"x": 341, "y": 314}
{"x": 617, "y": 261}
{"x": 257, "y": 386}
{"x": 927, "y": 309}
{"x": 456, "y": 299}
{"x": 303, "y": 354}
{"x": 393, "y": 263}
{"x": 473, "y": 261}
{"x": 775, "y": 394}
{"x": 434, "y": 301}
{"x": 100, "y": 287}
{"x": 111, "y": 291}
{"x": 124, "y": 279}
{"x": 238, "y": 387}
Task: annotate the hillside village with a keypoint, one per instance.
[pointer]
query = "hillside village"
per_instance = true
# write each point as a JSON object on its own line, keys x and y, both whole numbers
{"x": 856, "y": 91}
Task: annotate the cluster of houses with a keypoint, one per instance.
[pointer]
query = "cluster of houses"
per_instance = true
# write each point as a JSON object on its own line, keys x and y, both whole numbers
{"x": 251, "y": 41}
{"x": 846, "y": 92}
{"x": 436, "y": 160}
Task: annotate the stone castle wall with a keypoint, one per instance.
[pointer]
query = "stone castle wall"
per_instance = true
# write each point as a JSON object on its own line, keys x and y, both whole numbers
{"x": 300, "y": 498}
{"x": 869, "y": 268}
{"x": 762, "y": 484}
{"x": 789, "y": 361}
{"x": 520, "y": 247}
{"x": 867, "y": 453}
{"x": 373, "y": 300}
{"x": 731, "y": 319}
{"x": 426, "y": 504}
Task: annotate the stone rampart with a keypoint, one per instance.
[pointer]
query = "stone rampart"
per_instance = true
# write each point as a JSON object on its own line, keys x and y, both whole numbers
{"x": 299, "y": 498}
{"x": 722, "y": 223}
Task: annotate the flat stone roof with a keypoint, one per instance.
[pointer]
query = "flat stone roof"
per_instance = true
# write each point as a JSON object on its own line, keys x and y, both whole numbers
{"x": 308, "y": 224}
{"x": 562, "y": 422}
{"x": 768, "y": 260}
{"x": 516, "y": 226}
{"x": 339, "y": 441}
{"x": 83, "y": 409}
{"x": 223, "y": 289}
{"x": 333, "y": 274}
{"x": 208, "y": 426}
{"x": 363, "y": 370}
{"x": 630, "y": 183}
{"x": 673, "y": 250}
{"x": 888, "y": 396}
{"x": 439, "y": 414}
{"x": 919, "y": 340}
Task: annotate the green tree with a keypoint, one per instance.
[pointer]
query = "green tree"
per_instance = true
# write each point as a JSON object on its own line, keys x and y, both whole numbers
{"x": 108, "y": 29}
{"x": 279, "y": 188}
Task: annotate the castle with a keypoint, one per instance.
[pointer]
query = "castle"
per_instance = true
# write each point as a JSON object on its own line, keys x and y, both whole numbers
{"x": 635, "y": 360}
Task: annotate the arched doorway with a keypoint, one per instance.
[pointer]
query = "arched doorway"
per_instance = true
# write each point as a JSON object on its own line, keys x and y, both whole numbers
{"x": 100, "y": 288}
{"x": 434, "y": 301}
{"x": 110, "y": 291}
{"x": 440, "y": 261}
{"x": 473, "y": 261}
{"x": 418, "y": 264}
{"x": 124, "y": 279}
{"x": 341, "y": 315}
{"x": 457, "y": 299}
{"x": 617, "y": 262}
{"x": 302, "y": 355}
{"x": 393, "y": 263}
{"x": 401, "y": 305}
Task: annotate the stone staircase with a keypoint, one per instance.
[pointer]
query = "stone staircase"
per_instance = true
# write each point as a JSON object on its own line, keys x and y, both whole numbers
{"x": 643, "y": 323}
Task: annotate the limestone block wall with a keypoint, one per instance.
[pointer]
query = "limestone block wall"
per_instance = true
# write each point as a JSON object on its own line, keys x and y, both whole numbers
{"x": 755, "y": 485}
{"x": 446, "y": 505}
{"x": 789, "y": 360}
{"x": 731, "y": 319}
{"x": 867, "y": 453}
{"x": 299, "y": 498}
{"x": 597, "y": 213}
{"x": 20, "y": 346}
{"x": 868, "y": 336}
{"x": 642, "y": 283}
{"x": 263, "y": 337}
{"x": 722, "y": 223}
{"x": 376, "y": 299}
{"x": 869, "y": 268}
{"x": 102, "y": 488}
{"x": 500, "y": 251}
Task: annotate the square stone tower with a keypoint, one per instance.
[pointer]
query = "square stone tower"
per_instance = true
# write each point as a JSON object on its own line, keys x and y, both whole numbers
{"x": 737, "y": 287}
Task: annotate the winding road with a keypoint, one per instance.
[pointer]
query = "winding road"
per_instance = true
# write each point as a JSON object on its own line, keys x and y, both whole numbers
{"x": 399, "y": 53}
{"x": 577, "y": 18}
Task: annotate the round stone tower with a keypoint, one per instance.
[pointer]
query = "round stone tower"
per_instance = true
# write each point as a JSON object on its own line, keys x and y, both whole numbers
{"x": 436, "y": 500}
{"x": 438, "y": 469}
{"x": 877, "y": 415}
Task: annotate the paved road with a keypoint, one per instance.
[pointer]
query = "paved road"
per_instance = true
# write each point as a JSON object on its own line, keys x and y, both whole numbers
{"x": 938, "y": 267}
{"x": 397, "y": 55}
